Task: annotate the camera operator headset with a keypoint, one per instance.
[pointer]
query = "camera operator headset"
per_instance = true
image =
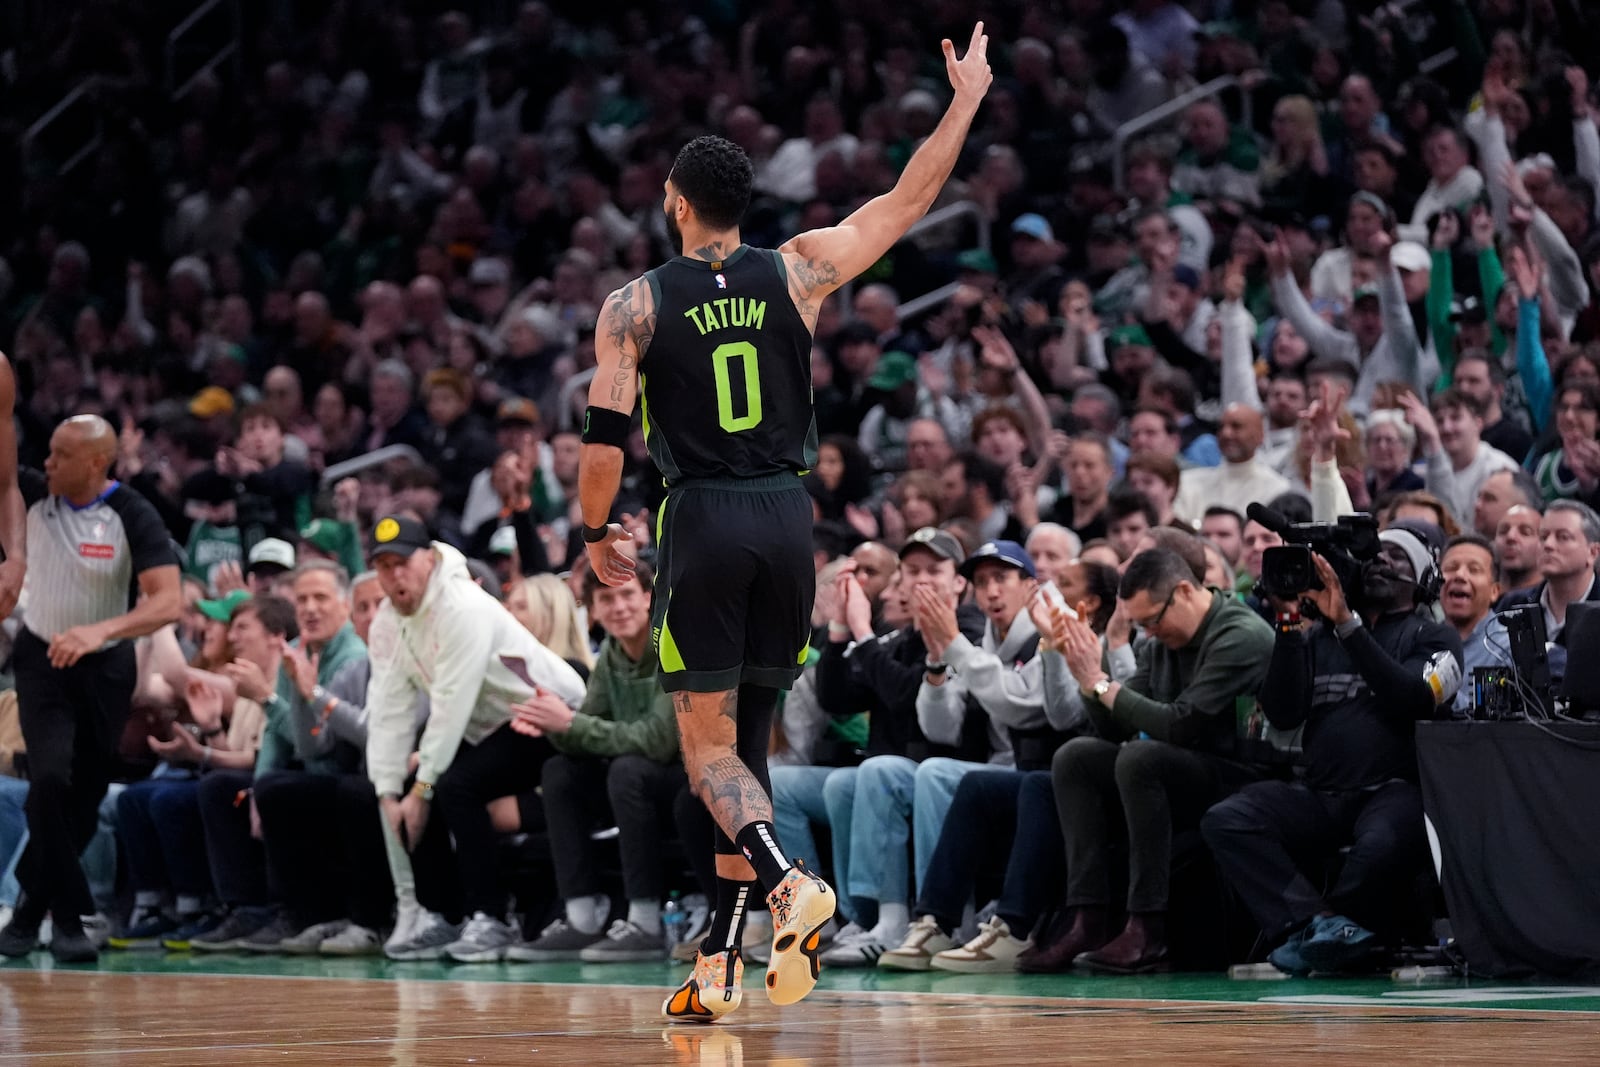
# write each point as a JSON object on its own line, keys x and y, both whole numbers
{"x": 1356, "y": 678}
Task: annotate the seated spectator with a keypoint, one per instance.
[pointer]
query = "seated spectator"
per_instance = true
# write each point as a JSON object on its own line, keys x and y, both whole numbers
{"x": 1471, "y": 575}
{"x": 988, "y": 803}
{"x": 1157, "y": 479}
{"x": 1458, "y": 459}
{"x": 975, "y": 701}
{"x": 1391, "y": 447}
{"x": 1224, "y": 528}
{"x": 1516, "y": 547}
{"x": 296, "y": 787}
{"x": 1353, "y": 684}
{"x": 616, "y": 763}
{"x": 1571, "y": 469}
{"x": 1083, "y": 509}
{"x": 1218, "y": 161}
{"x": 868, "y": 809}
{"x": 1241, "y": 479}
{"x": 258, "y": 465}
{"x": 1052, "y": 548}
{"x": 1499, "y": 493}
{"x": 479, "y": 662}
{"x": 158, "y": 819}
{"x": 1204, "y": 650}
{"x": 1569, "y": 538}
{"x": 1129, "y": 516}
{"x": 543, "y": 604}
{"x": 456, "y": 444}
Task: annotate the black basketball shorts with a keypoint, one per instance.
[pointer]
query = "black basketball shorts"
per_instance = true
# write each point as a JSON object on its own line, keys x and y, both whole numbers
{"x": 733, "y": 596}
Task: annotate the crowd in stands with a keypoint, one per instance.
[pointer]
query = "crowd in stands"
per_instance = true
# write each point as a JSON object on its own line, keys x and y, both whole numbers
{"x": 357, "y": 275}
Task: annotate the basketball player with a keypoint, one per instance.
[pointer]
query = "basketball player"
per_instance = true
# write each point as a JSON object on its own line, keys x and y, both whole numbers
{"x": 718, "y": 344}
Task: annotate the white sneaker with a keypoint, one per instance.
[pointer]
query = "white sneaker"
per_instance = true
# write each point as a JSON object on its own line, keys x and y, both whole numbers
{"x": 406, "y": 917}
{"x": 755, "y": 946}
{"x": 862, "y": 949}
{"x": 993, "y": 951}
{"x": 483, "y": 940}
{"x": 923, "y": 941}
{"x": 429, "y": 936}
{"x": 353, "y": 940}
{"x": 309, "y": 941}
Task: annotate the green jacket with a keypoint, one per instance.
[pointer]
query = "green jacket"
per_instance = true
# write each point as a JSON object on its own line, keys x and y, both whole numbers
{"x": 625, "y": 712}
{"x": 278, "y": 749}
{"x": 1188, "y": 696}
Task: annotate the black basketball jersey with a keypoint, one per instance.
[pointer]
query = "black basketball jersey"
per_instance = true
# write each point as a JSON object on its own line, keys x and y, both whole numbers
{"x": 726, "y": 382}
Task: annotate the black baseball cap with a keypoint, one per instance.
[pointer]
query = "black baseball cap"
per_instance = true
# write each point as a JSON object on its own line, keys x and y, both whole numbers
{"x": 397, "y": 535}
{"x": 940, "y": 543}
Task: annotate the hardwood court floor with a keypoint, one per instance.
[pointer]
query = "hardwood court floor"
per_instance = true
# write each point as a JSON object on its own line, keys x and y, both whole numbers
{"x": 177, "y": 1012}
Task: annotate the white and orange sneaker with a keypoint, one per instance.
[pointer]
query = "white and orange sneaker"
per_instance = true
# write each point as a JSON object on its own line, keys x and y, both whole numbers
{"x": 710, "y": 991}
{"x": 801, "y": 906}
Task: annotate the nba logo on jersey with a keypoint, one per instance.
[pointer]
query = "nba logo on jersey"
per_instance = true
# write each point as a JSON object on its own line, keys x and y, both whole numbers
{"x": 722, "y": 283}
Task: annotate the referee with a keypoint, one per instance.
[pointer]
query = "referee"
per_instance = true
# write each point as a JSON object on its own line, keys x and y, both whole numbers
{"x": 101, "y": 571}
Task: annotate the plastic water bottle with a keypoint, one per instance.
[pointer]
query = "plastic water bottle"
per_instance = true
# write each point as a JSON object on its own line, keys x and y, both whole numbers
{"x": 672, "y": 921}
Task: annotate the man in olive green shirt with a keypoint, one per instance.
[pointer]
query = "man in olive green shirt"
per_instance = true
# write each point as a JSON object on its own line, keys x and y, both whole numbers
{"x": 1166, "y": 753}
{"x": 618, "y": 765}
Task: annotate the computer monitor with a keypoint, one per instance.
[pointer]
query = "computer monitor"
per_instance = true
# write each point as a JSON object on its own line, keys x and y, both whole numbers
{"x": 1581, "y": 686}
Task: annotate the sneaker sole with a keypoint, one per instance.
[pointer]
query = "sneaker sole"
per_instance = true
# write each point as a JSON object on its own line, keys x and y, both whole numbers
{"x": 337, "y": 950}
{"x": 488, "y": 955}
{"x": 300, "y": 950}
{"x": 216, "y": 946}
{"x": 796, "y": 958}
{"x": 138, "y": 944}
{"x": 414, "y": 955}
{"x": 961, "y": 966}
{"x": 686, "y": 1006}
{"x": 891, "y": 961}
{"x": 544, "y": 955}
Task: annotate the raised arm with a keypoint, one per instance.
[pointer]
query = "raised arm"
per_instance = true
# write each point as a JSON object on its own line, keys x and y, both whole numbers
{"x": 821, "y": 261}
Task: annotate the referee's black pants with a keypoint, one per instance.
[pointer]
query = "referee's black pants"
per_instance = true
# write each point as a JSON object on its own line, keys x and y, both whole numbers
{"x": 72, "y": 720}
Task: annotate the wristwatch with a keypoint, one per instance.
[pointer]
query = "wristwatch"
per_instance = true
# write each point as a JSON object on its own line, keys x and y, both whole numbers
{"x": 422, "y": 790}
{"x": 1101, "y": 688}
{"x": 935, "y": 669}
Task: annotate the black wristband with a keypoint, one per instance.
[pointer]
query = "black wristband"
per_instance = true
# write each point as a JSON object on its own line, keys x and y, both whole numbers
{"x": 594, "y": 534}
{"x": 602, "y": 426}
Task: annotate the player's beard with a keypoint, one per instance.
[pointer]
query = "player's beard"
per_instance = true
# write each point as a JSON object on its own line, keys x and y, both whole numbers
{"x": 674, "y": 235}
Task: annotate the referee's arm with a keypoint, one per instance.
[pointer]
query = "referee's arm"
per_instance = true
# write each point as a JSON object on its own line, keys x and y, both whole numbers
{"x": 160, "y": 602}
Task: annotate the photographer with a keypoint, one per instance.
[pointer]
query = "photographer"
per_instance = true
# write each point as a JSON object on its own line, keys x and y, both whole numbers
{"x": 1359, "y": 786}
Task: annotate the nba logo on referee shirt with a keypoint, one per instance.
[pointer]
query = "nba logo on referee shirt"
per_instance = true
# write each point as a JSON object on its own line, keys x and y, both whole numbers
{"x": 722, "y": 283}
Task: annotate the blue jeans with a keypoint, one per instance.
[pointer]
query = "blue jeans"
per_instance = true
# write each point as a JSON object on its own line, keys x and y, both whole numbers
{"x": 159, "y": 822}
{"x": 802, "y": 796}
{"x": 13, "y": 835}
{"x": 896, "y": 798}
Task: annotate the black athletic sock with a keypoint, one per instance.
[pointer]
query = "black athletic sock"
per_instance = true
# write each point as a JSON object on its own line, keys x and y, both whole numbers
{"x": 727, "y": 924}
{"x": 759, "y": 842}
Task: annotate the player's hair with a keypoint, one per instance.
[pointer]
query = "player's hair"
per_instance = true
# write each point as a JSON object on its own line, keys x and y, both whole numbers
{"x": 715, "y": 176}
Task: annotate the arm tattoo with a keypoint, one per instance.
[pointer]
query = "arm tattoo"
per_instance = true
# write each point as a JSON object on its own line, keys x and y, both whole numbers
{"x": 630, "y": 315}
{"x": 805, "y": 278}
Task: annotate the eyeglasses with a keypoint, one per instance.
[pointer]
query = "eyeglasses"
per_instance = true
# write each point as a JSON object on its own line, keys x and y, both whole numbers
{"x": 1152, "y": 623}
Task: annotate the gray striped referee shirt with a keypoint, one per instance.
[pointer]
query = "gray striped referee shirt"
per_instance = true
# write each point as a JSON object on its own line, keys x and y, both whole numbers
{"x": 84, "y": 563}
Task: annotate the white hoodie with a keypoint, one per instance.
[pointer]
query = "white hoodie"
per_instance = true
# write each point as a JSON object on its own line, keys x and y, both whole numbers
{"x": 451, "y": 650}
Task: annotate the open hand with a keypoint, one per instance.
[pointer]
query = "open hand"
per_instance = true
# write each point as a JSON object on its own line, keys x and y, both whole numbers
{"x": 611, "y": 564}
{"x": 970, "y": 75}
